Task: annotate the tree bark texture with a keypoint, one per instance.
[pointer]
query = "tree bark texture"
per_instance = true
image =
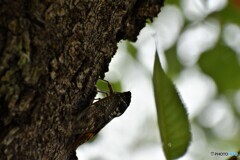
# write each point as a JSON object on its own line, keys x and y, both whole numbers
{"x": 52, "y": 52}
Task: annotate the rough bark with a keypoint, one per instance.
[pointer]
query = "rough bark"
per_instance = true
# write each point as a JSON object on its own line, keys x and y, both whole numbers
{"x": 51, "y": 54}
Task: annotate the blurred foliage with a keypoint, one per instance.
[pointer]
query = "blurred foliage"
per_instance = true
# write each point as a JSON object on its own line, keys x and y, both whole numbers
{"x": 174, "y": 66}
{"x": 132, "y": 50}
{"x": 172, "y": 115}
{"x": 231, "y": 13}
{"x": 220, "y": 63}
{"x": 175, "y": 2}
{"x": 103, "y": 86}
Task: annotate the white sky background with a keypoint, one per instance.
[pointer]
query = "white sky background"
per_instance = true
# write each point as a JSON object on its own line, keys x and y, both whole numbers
{"x": 135, "y": 135}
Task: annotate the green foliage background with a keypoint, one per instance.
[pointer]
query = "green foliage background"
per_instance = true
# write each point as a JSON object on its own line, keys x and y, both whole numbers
{"x": 219, "y": 62}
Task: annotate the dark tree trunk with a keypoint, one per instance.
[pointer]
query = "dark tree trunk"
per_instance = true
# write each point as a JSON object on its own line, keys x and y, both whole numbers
{"x": 51, "y": 54}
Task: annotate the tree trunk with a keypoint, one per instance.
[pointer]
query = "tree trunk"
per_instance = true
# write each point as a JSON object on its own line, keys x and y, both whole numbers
{"x": 52, "y": 52}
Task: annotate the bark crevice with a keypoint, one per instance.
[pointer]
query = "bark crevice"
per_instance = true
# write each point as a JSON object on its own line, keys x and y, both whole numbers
{"x": 51, "y": 55}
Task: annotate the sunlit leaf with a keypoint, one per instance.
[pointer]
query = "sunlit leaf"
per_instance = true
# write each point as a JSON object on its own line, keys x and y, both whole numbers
{"x": 172, "y": 116}
{"x": 221, "y": 63}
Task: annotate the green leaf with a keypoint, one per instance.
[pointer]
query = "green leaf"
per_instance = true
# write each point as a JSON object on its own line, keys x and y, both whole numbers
{"x": 149, "y": 21}
{"x": 132, "y": 50}
{"x": 230, "y": 14}
{"x": 102, "y": 86}
{"x": 221, "y": 64}
{"x": 174, "y": 65}
{"x": 172, "y": 116}
{"x": 176, "y": 2}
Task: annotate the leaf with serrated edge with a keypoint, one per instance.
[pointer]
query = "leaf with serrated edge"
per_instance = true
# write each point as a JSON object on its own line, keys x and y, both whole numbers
{"x": 172, "y": 116}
